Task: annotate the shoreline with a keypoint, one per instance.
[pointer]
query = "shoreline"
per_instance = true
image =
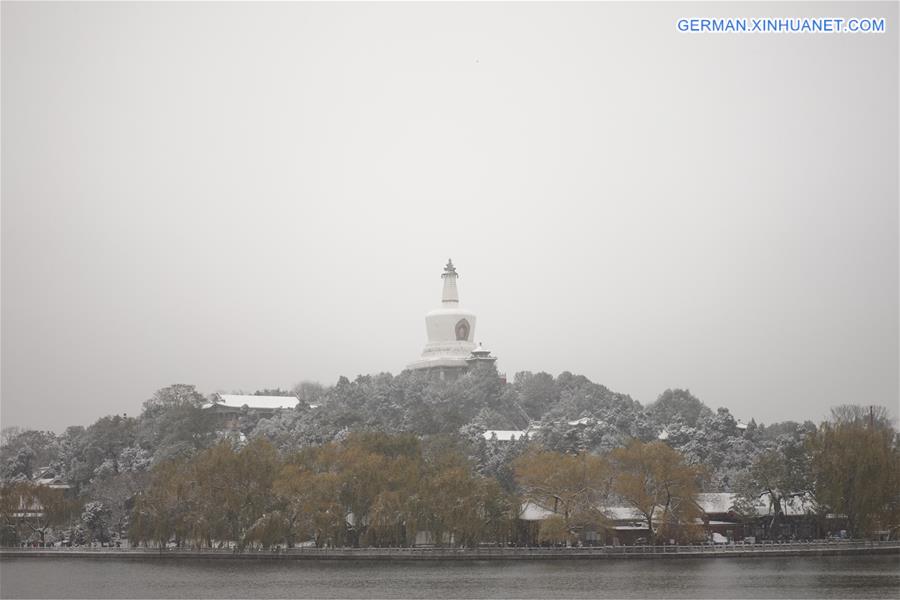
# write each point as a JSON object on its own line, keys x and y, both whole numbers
{"x": 472, "y": 554}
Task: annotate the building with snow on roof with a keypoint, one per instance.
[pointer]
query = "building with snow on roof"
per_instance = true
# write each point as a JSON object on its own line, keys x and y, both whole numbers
{"x": 721, "y": 519}
{"x": 235, "y": 404}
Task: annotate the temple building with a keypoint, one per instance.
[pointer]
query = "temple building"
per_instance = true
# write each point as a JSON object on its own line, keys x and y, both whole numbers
{"x": 480, "y": 357}
{"x": 234, "y": 404}
{"x": 450, "y": 349}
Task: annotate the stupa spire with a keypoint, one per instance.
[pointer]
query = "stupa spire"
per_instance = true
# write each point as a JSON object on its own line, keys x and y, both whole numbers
{"x": 450, "y": 295}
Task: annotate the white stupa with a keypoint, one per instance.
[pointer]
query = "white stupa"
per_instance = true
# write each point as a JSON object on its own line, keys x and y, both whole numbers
{"x": 451, "y": 331}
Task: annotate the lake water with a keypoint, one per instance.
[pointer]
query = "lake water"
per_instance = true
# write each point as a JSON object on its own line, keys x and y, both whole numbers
{"x": 793, "y": 577}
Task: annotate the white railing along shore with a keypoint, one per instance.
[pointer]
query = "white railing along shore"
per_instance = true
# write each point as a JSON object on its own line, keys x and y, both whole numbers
{"x": 486, "y": 551}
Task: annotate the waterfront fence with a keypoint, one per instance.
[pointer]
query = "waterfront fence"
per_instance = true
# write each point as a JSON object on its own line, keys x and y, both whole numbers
{"x": 812, "y": 547}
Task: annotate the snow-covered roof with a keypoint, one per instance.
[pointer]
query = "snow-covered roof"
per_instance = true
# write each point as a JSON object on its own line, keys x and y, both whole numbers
{"x": 628, "y": 517}
{"x": 534, "y": 512}
{"x": 622, "y": 513}
{"x": 55, "y": 483}
{"x": 46, "y": 476}
{"x": 663, "y": 435}
{"x": 791, "y": 506}
{"x": 723, "y": 502}
{"x": 716, "y": 502}
{"x": 799, "y": 505}
{"x": 504, "y": 435}
{"x": 261, "y": 402}
{"x": 581, "y": 421}
{"x": 741, "y": 425}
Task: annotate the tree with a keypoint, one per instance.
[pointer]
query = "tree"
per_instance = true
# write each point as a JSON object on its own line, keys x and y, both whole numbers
{"x": 538, "y": 392}
{"x": 94, "y": 452}
{"x": 463, "y": 508}
{"x": 310, "y": 505}
{"x": 856, "y": 468}
{"x": 25, "y": 450}
{"x": 555, "y": 530}
{"x": 96, "y": 520}
{"x": 498, "y": 510}
{"x": 309, "y": 392}
{"x": 28, "y": 510}
{"x": 777, "y": 475}
{"x": 174, "y": 423}
{"x": 361, "y": 491}
{"x": 480, "y": 388}
{"x": 117, "y": 493}
{"x": 654, "y": 480}
{"x": 162, "y": 511}
{"x": 575, "y": 486}
{"x": 678, "y": 404}
{"x": 232, "y": 490}
{"x": 10, "y": 508}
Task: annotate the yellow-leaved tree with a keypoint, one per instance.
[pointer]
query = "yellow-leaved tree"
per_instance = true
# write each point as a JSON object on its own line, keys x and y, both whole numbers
{"x": 654, "y": 479}
{"x": 856, "y": 469}
{"x": 574, "y": 486}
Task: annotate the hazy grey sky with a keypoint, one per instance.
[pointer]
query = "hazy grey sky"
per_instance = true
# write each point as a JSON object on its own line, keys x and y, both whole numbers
{"x": 244, "y": 196}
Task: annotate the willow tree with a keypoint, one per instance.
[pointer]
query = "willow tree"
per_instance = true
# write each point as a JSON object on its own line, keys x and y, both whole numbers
{"x": 461, "y": 507}
{"x": 574, "y": 486}
{"x": 308, "y": 504}
{"x": 217, "y": 496}
{"x": 361, "y": 491}
{"x": 162, "y": 511}
{"x": 31, "y": 510}
{"x": 395, "y": 510}
{"x": 654, "y": 479}
{"x": 233, "y": 489}
{"x": 856, "y": 468}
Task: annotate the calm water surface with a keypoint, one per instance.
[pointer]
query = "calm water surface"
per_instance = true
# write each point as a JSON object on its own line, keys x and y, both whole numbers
{"x": 794, "y": 577}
